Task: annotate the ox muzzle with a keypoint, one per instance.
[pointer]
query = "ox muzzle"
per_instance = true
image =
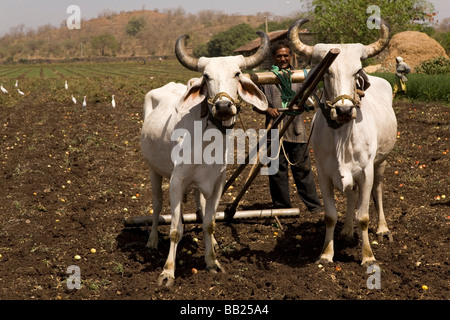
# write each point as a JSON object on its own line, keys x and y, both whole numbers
{"x": 224, "y": 107}
{"x": 343, "y": 108}
{"x": 224, "y": 110}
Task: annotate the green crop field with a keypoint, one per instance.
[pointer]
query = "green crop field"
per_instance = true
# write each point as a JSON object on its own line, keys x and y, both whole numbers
{"x": 71, "y": 70}
{"x": 128, "y": 81}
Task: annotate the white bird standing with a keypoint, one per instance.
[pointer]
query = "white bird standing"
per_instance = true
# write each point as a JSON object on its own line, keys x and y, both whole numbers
{"x": 84, "y": 102}
{"x": 74, "y": 100}
{"x": 20, "y": 92}
{"x": 66, "y": 85}
{"x": 113, "y": 102}
{"x": 3, "y": 89}
{"x": 17, "y": 84}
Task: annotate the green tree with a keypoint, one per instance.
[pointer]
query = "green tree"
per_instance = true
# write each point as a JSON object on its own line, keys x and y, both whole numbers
{"x": 135, "y": 25}
{"x": 224, "y": 43}
{"x": 104, "y": 41}
{"x": 444, "y": 39}
{"x": 346, "y": 21}
{"x": 201, "y": 50}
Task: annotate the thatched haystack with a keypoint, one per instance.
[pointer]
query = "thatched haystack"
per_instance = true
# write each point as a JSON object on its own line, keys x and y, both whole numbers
{"x": 414, "y": 47}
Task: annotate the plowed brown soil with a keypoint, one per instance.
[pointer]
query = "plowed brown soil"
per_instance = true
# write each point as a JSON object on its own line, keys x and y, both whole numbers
{"x": 69, "y": 177}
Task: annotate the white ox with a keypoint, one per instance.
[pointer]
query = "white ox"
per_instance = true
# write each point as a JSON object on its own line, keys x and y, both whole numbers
{"x": 351, "y": 137}
{"x": 213, "y": 100}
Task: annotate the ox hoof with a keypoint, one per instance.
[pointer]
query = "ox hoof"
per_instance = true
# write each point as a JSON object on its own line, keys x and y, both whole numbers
{"x": 152, "y": 246}
{"x": 170, "y": 280}
{"x": 347, "y": 237}
{"x": 387, "y": 234}
{"x": 152, "y": 242}
{"x": 368, "y": 263}
{"x": 216, "y": 269}
{"x": 323, "y": 261}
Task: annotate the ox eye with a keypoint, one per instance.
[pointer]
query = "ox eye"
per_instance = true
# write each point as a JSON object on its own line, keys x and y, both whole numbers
{"x": 238, "y": 74}
{"x": 206, "y": 76}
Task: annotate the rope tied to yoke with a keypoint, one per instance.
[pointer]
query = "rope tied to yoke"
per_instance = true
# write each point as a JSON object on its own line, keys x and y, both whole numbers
{"x": 287, "y": 94}
{"x": 285, "y": 88}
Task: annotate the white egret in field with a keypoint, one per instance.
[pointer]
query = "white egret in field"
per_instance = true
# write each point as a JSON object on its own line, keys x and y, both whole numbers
{"x": 74, "y": 100}
{"x": 66, "y": 85}
{"x": 3, "y": 89}
{"x": 84, "y": 102}
{"x": 113, "y": 102}
{"x": 17, "y": 84}
{"x": 20, "y": 92}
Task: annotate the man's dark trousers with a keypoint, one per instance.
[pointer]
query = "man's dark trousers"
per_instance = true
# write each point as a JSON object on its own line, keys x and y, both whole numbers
{"x": 302, "y": 174}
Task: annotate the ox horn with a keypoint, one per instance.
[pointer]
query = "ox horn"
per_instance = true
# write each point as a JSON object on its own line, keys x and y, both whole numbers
{"x": 376, "y": 47}
{"x": 180, "y": 51}
{"x": 260, "y": 55}
{"x": 297, "y": 45}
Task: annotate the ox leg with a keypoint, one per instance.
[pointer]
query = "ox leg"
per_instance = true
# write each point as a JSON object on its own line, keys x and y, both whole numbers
{"x": 326, "y": 187}
{"x": 362, "y": 218}
{"x": 176, "y": 231}
{"x": 200, "y": 203}
{"x": 201, "y": 211}
{"x": 377, "y": 195}
{"x": 212, "y": 264}
{"x": 156, "y": 182}
{"x": 347, "y": 229}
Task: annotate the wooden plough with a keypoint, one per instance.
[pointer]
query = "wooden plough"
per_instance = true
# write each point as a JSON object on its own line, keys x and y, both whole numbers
{"x": 297, "y": 104}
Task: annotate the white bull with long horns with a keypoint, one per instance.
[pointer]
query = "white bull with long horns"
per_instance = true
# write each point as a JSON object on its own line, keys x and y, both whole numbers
{"x": 352, "y": 135}
{"x": 211, "y": 101}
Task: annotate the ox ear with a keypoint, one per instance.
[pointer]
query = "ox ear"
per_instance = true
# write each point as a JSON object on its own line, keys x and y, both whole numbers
{"x": 250, "y": 93}
{"x": 362, "y": 82}
{"x": 196, "y": 92}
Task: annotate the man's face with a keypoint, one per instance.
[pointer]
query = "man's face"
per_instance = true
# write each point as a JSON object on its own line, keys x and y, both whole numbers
{"x": 282, "y": 58}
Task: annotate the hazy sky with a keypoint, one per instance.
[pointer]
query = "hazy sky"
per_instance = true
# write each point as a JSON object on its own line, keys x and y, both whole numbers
{"x": 34, "y": 13}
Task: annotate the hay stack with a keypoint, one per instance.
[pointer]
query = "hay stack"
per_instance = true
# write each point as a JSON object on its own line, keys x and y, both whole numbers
{"x": 414, "y": 47}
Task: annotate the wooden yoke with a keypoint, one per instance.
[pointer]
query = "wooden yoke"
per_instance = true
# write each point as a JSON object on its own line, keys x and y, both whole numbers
{"x": 260, "y": 78}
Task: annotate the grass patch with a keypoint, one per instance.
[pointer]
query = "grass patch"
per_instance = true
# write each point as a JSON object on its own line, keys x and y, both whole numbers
{"x": 423, "y": 87}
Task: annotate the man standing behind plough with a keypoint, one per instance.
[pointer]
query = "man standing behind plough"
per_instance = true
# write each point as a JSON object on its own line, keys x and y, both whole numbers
{"x": 293, "y": 144}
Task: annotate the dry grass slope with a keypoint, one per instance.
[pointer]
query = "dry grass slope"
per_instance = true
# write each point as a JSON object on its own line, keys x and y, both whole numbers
{"x": 156, "y": 38}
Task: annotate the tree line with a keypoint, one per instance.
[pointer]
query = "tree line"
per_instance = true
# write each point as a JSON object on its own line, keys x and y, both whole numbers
{"x": 213, "y": 33}
{"x": 342, "y": 22}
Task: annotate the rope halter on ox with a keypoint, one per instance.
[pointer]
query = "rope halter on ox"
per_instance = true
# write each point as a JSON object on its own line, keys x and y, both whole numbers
{"x": 329, "y": 107}
{"x": 238, "y": 103}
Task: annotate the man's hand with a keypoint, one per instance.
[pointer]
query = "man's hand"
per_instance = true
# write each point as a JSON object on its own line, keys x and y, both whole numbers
{"x": 272, "y": 112}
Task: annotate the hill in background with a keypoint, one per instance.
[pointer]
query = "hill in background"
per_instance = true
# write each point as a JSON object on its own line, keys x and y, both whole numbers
{"x": 107, "y": 35}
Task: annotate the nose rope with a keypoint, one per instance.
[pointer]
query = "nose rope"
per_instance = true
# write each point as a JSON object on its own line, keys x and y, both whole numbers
{"x": 356, "y": 99}
{"x": 226, "y": 95}
{"x": 217, "y": 122}
{"x": 331, "y": 104}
